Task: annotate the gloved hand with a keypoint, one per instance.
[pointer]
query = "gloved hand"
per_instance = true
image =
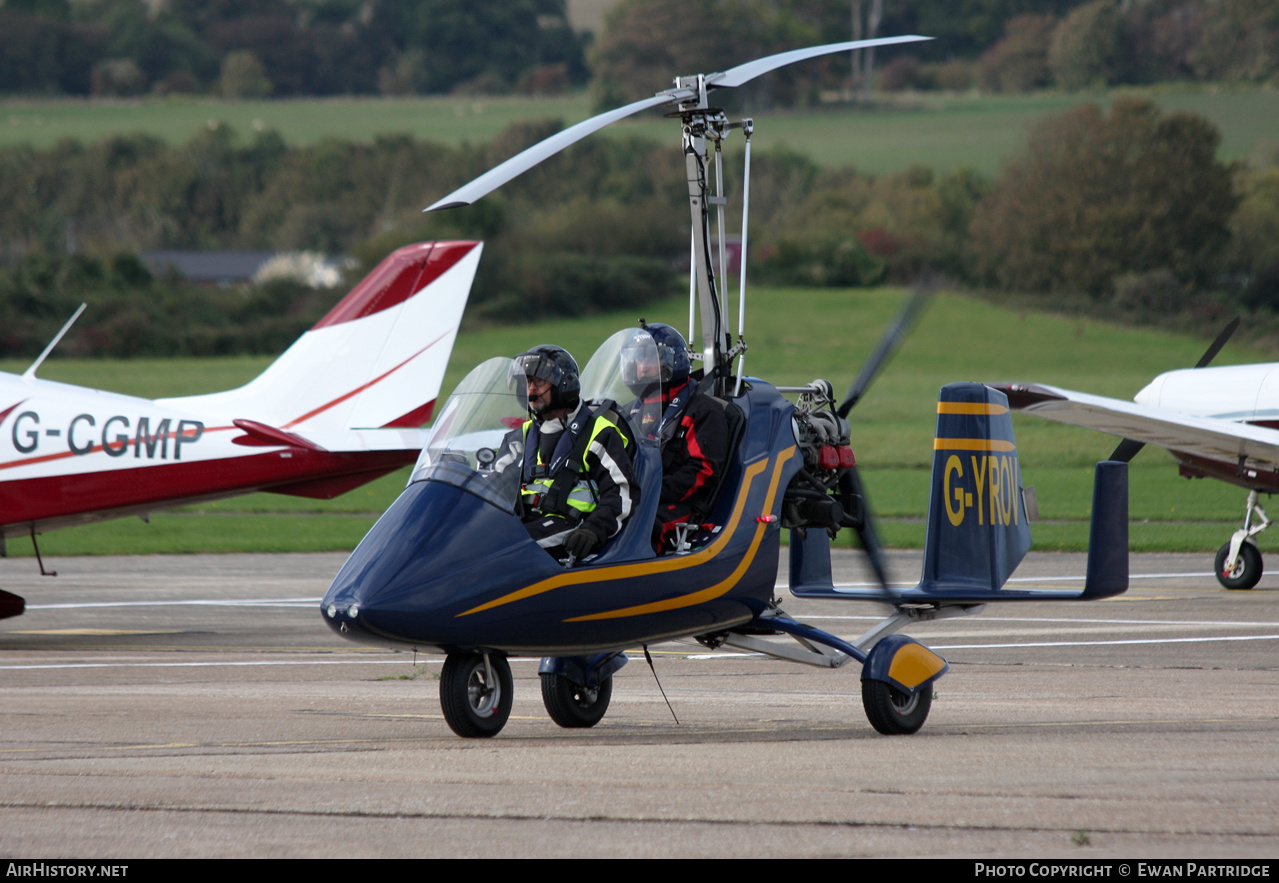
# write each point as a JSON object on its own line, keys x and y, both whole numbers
{"x": 581, "y": 543}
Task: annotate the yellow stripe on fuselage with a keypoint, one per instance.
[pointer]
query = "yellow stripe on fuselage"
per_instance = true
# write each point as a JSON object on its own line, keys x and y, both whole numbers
{"x": 973, "y": 444}
{"x": 658, "y": 565}
{"x": 721, "y": 587}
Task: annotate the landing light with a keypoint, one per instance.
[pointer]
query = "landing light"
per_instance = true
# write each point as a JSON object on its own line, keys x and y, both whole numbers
{"x": 353, "y": 611}
{"x": 332, "y": 611}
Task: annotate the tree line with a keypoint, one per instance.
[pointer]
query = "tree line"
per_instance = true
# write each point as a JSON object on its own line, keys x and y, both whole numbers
{"x": 253, "y": 48}
{"x": 1127, "y": 212}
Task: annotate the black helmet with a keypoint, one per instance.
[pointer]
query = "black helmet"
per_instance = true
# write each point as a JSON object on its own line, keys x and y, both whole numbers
{"x": 552, "y": 364}
{"x": 655, "y": 354}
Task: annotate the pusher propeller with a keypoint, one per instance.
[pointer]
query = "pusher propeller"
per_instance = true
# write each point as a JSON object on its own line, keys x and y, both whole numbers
{"x": 731, "y": 78}
{"x": 891, "y": 339}
{"x": 850, "y": 483}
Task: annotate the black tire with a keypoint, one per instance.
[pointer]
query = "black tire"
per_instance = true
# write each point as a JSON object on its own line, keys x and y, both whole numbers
{"x": 474, "y": 708}
{"x": 572, "y": 706}
{"x": 1247, "y": 571}
{"x": 892, "y": 712}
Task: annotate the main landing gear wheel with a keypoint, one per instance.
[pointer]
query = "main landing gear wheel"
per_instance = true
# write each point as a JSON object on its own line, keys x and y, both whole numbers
{"x": 570, "y": 705}
{"x": 891, "y": 711}
{"x": 475, "y": 694}
{"x": 1245, "y": 573}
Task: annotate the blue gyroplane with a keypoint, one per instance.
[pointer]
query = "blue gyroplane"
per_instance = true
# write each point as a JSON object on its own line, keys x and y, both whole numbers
{"x": 450, "y": 566}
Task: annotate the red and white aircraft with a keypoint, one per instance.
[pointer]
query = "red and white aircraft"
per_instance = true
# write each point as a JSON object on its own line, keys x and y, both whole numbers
{"x": 1216, "y": 422}
{"x": 342, "y": 406}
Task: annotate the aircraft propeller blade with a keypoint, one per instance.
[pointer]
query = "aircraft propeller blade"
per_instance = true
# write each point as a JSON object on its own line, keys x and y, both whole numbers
{"x": 1216, "y": 345}
{"x": 1127, "y": 449}
{"x": 889, "y": 342}
{"x": 850, "y": 482}
{"x": 737, "y": 76}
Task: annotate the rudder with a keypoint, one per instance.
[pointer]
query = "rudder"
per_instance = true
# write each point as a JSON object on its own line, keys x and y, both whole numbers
{"x": 977, "y": 531}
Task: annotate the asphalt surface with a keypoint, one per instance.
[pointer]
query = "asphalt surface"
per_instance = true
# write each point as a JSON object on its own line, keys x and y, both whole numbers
{"x": 197, "y": 706}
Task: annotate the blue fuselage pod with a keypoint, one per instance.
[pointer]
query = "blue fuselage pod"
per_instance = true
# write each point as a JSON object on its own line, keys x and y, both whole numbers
{"x": 444, "y": 569}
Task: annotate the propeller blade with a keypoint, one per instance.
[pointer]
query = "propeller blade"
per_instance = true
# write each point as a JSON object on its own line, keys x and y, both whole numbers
{"x": 850, "y": 483}
{"x": 1215, "y": 347}
{"x": 744, "y": 73}
{"x": 1127, "y": 449}
{"x": 888, "y": 344}
{"x": 522, "y": 162}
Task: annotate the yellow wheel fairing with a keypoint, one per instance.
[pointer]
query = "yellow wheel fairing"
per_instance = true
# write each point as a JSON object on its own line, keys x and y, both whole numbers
{"x": 914, "y": 664}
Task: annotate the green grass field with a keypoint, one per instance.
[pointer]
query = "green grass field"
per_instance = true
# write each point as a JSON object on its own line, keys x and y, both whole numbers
{"x": 939, "y": 131}
{"x": 799, "y": 335}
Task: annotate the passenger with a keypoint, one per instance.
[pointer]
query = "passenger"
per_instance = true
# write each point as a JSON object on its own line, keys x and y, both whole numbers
{"x": 692, "y": 429}
{"x": 577, "y": 484}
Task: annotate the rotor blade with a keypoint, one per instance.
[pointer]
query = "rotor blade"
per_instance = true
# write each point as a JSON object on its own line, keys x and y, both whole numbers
{"x": 888, "y": 344}
{"x": 522, "y": 162}
{"x": 744, "y": 73}
{"x": 1127, "y": 449}
{"x": 1211, "y": 352}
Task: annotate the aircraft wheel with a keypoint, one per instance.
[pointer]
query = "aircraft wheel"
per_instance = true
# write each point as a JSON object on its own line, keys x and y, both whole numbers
{"x": 474, "y": 707}
{"x": 572, "y": 706}
{"x": 1246, "y": 572}
{"x": 891, "y": 711}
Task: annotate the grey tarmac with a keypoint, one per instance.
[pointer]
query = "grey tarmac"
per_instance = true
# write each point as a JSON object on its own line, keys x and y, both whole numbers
{"x": 197, "y": 706}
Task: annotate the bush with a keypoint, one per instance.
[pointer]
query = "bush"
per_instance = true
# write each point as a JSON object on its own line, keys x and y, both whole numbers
{"x": 833, "y": 260}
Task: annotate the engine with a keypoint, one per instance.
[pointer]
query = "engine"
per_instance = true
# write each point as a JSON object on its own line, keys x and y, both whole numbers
{"x": 824, "y": 493}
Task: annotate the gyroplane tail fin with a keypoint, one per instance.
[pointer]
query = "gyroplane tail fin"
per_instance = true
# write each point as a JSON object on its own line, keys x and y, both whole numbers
{"x": 977, "y": 530}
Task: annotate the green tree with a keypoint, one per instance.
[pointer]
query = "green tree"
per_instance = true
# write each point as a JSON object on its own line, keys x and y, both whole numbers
{"x": 1085, "y": 46}
{"x": 1097, "y": 196}
{"x": 1019, "y": 61}
{"x": 243, "y": 76}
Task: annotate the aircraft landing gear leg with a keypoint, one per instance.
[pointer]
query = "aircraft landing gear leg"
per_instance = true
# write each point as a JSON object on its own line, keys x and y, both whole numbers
{"x": 1238, "y": 564}
{"x": 476, "y": 693}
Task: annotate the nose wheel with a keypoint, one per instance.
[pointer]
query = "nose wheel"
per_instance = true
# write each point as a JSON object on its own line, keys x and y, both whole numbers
{"x": 571, "y": 705}
{"x": 1242, "y": 573}
{"x": 476, "y": 694}
{"x": 1238, "y": 564}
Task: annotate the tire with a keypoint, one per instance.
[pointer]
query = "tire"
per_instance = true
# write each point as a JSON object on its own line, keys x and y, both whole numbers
{"x": 572, "y": 706}
{"x": 892, "y": 712}
{"x": 1247, "y": 570}
{"x": 474, "y": 708}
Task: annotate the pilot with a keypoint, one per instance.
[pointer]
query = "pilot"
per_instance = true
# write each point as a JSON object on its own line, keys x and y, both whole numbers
{"x": 577, "y": 485}
{"x": 692, "y": 429}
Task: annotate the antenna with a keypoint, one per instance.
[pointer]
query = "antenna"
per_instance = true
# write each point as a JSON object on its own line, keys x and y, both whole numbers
{"x": 30, "y": 373}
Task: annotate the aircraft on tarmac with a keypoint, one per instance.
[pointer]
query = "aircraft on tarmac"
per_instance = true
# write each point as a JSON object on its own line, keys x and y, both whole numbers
{"x": 451, "y": 568}
{"x": 341, "y": 407}
{"x": 1216, "y": 422}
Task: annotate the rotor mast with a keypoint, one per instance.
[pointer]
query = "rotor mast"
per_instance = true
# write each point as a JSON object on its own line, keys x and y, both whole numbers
{"x": 698, "y": 118}
{"x": 702, "y": 126}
